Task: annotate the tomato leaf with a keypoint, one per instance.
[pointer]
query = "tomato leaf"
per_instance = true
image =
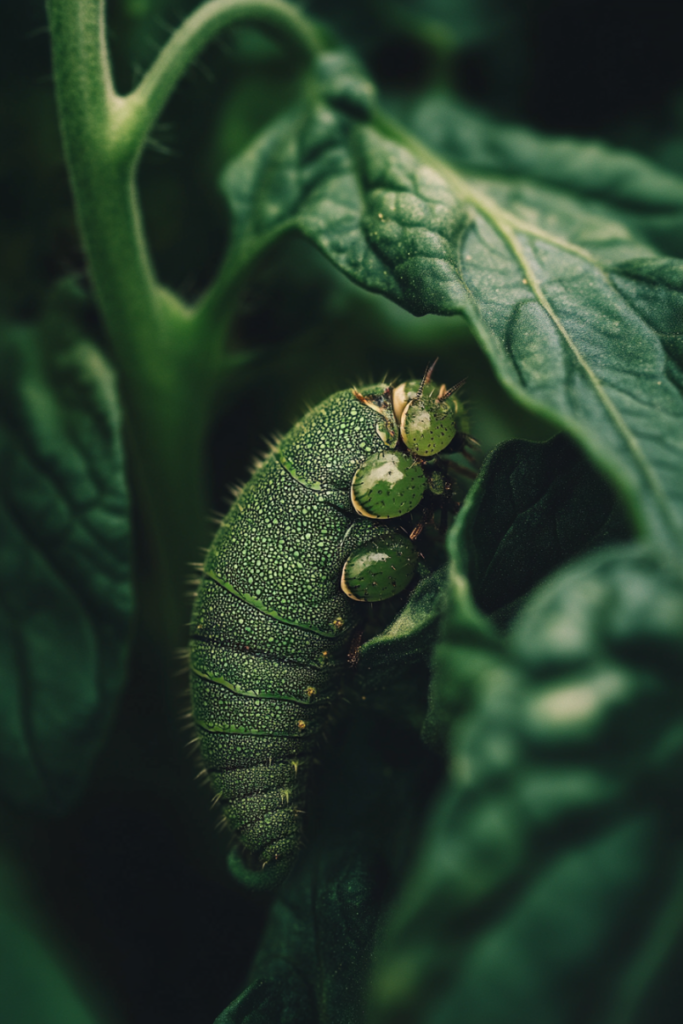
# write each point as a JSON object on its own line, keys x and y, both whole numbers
{"x": 548, "y": 883}
{"x": 65, "y": 570}
{"x": 534, "y": 507}
{"x": 37, "y": 983}
{"x": 612, "y": 182}
{"x": 580, "y": 319}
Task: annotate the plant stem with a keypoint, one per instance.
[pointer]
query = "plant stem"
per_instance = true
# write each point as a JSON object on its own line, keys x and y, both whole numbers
{"x": 171, "y": 356}
{"x": 146, "y": 102}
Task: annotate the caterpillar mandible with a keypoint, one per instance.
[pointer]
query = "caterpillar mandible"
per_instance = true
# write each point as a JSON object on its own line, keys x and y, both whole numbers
{"x": 283, "y": 592}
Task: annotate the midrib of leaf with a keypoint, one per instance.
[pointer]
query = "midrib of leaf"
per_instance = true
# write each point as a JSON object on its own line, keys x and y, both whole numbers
{"x": 616, "y": 417}
{"x": 505, "y": 224}
{"x": 489, "y": 208}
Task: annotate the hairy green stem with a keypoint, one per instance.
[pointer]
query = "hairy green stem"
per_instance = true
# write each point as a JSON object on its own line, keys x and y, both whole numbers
{"x": 146, "y": 102}
{"x": 171, "y": 356}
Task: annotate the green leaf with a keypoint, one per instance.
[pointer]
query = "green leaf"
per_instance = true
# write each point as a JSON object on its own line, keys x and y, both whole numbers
{"x": 534, "y": 507}
{"x": 315, "y": 955}
{"x": 614, "y": 183}
{"x": 35, "y": 982}
{"x": 548, "y": 887}
{"x": 580, "y": 320}
{"x": 65, "y": 571}
{"x": 393, "y": 667}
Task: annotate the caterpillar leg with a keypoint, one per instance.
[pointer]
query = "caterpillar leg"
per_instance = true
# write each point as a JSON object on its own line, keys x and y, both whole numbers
{"x": 258, "y": 880}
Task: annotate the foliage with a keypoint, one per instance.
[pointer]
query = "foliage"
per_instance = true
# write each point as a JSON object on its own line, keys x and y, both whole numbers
{"x": 494, "y": 833}
{"x": 66, "y": 567}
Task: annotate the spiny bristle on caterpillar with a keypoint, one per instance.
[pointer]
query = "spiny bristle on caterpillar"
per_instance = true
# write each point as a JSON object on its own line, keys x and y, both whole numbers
{"x": 441, "y": 397}
{"x": 272, "y": 444}
{"x": 427, "y": 377}
{"x": 361, "y": 384}
{"x": 260, "y": 458}
{"x": 234, "y": 491}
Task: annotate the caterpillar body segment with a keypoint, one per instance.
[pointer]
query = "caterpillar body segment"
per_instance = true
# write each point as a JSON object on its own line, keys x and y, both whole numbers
{"x": 282, "y": 595}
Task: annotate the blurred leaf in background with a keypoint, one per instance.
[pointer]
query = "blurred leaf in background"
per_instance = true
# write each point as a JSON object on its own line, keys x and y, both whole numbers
{"x": 37, "y": 980}
{"x": 548, "y": 887}
{"x": 65, "y": 569}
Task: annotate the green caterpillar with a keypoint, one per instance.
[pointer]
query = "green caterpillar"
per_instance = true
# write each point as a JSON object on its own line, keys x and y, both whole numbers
{"x": 283, "y": 591}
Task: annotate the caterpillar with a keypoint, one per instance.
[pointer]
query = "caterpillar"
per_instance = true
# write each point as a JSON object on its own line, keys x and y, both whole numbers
{"x": 325, "y": 526}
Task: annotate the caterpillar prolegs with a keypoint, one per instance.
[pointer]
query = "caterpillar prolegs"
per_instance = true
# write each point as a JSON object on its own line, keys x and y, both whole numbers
{"x": 325, "y": 525}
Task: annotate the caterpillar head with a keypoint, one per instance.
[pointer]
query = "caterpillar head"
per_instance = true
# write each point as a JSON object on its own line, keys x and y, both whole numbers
{"x": 427, "y": 414}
